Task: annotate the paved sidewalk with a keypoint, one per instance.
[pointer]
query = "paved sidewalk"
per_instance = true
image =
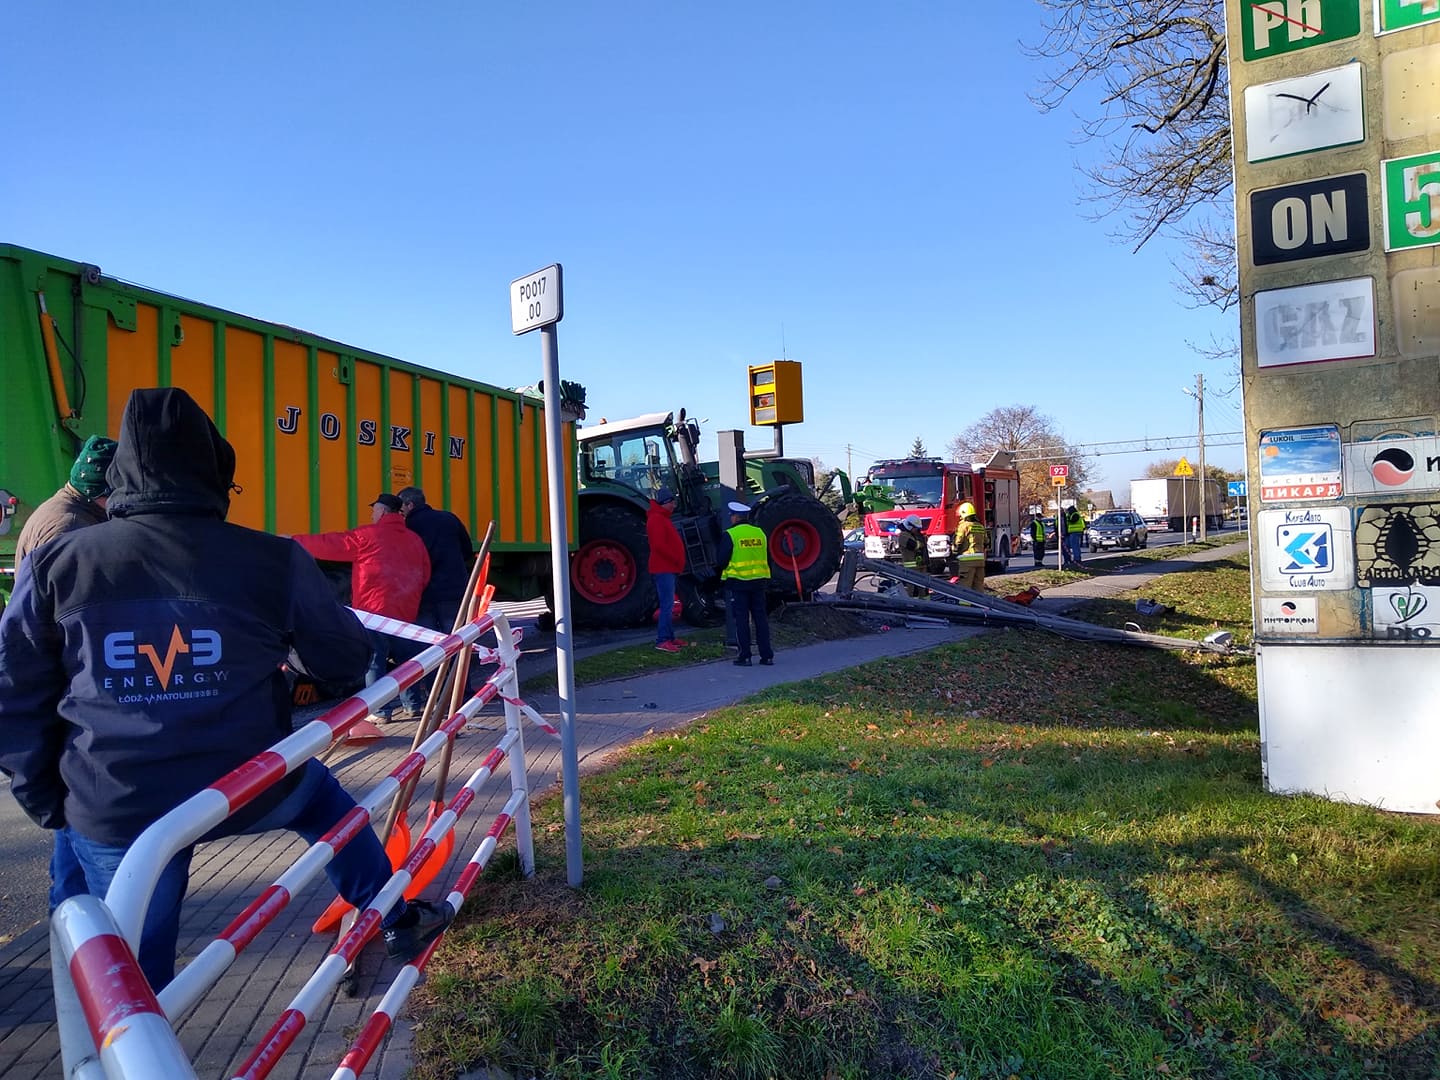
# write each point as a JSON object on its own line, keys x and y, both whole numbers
{"x": 228, "y": 1023}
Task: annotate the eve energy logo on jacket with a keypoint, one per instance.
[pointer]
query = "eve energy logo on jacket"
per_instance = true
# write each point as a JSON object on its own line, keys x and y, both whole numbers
{"x": 158, "y": 666}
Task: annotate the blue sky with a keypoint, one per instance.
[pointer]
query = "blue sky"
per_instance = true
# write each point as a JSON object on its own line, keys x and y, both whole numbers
{"x": 866, "y": 189}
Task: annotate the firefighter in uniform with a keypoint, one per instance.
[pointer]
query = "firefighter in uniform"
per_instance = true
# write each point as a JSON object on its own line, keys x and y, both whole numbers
{"x": 913, "y": 553}
{"x": 745, "y": 569}
{"x": 972, "y": 542}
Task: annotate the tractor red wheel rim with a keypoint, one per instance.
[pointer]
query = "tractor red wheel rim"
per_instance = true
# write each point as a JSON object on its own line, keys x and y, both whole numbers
{"x": 603, "y": 572}
{"x": 795, "y": 545}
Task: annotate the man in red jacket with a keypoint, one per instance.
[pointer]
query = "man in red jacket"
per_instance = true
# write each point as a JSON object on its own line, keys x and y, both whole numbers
{"x": 667, "y": 560}
{"x": 390, "y": 570}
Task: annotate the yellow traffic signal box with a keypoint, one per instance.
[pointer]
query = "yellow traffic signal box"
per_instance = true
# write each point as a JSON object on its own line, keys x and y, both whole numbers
{"x": 775, "y": 394}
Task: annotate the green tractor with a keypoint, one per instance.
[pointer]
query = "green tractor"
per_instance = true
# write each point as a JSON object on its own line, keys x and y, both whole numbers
{"x": 623, "y": 464}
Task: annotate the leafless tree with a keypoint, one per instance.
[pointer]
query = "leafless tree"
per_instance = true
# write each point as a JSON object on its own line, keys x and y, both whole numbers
{"x": 1163, "y": 118}
{"x": 1038, "y": 444}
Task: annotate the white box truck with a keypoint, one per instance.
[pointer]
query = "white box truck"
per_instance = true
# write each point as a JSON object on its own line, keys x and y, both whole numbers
{"x": 1172, "y": 501}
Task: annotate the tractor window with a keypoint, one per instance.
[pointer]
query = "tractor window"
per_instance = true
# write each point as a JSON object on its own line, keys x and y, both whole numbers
{"x": 599, "y": 461}
{"x": 644, "y": 462}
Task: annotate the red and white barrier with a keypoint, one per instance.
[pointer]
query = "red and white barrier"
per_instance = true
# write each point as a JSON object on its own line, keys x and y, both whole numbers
{"x": 103, "y": 1000}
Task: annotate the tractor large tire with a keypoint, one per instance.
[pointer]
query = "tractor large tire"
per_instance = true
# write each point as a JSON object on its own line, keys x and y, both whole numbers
{"x": 804, "y": 537}
{"x": 610, "y": 586}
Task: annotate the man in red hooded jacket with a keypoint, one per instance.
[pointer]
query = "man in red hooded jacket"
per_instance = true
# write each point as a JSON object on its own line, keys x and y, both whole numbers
{"x": 390, "y": 571}
{"x": 667, "y": 561}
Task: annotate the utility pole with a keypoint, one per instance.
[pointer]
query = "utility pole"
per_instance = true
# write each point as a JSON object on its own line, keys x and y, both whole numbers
{"x": 849, "y": 465}
{"x": 1200, "y": 416}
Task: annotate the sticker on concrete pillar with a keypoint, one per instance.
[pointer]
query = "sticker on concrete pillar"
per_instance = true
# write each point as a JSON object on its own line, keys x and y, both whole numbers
{"x": 1410, "y": 189}
{"x": 1300, "y": 464}
{"x": 1318, "y": 111}
{"x": 1330, "y": 320}
{"x": 1408, "y": 614}
{"x": 1305, "y": 221}
{"x": 1398, "y": 545}
{"x": 1398, "y": 14}
{"x": 1289, "y": 615}
{"x": 1307, "y": 549}
{"x": 1392, "y": 465}
{"x": 1271, "y": 27}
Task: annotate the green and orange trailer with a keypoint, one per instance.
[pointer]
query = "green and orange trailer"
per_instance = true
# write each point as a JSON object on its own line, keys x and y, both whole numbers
{"x": 319, "y": 427}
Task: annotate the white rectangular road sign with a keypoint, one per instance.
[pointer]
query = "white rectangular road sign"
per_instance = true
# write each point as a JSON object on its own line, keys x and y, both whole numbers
{"x": 536, "y": 300}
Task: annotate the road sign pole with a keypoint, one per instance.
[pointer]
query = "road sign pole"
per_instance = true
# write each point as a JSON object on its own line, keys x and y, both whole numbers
{"x": 560, "y": 581}
{"x": 537, "y": 302}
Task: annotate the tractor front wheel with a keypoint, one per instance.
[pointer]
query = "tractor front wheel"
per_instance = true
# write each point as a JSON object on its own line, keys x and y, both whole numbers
{"x": 609, "y": 584}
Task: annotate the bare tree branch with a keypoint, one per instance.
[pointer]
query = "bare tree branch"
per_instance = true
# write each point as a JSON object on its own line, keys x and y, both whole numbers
{"x": 1163, "y": 117}
{"x": 1021, "y": 427}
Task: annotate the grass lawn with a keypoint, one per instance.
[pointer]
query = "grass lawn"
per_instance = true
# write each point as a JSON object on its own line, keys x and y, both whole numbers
{"x": 1018, "y": 856}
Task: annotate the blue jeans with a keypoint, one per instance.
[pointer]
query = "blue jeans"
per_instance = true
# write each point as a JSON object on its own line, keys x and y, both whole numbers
{"x": 1073, "y": 541}
{"x": 665, "y": 596}
{"x": 67, "y": 876}
{"x": 385, "y": 650}
{"x": 358, "y": 871}
{"x": 747, "y": 598}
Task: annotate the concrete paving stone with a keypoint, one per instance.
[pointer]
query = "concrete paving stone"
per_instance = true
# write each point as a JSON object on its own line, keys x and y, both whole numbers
{"x": 228, "y": 874}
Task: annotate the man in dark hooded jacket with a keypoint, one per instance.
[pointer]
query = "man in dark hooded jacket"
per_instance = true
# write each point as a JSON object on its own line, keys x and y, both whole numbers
{"x": 140, "y": 661}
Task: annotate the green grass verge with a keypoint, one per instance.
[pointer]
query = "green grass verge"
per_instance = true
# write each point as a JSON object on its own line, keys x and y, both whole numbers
{"x": 1016, "y": 857}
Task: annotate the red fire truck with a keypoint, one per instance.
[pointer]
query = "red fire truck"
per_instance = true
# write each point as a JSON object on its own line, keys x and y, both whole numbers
{"x": 934, "y": 490}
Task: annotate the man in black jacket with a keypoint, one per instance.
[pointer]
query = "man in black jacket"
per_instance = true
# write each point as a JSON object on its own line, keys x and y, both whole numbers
{"x": 451, "y": 550}
{"x": 140, "y": 661}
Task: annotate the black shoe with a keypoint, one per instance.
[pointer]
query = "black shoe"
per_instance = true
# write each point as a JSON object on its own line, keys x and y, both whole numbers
{"x": 744, "y": 661}
{"x": 767, "y": 661}
{"x": 421, "y": 924}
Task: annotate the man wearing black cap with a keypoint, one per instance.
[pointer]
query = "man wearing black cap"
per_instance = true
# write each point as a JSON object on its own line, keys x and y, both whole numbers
{"x": 390, "y": 571}
{"x": 745, "y": 569}
{"x": 451, "y": 552}
{"x": 667, "y": 562}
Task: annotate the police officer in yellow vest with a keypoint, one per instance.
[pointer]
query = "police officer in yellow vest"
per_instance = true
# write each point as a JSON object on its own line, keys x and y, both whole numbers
{"x": 745, "y": 569}
{"x": 972, "y": 541}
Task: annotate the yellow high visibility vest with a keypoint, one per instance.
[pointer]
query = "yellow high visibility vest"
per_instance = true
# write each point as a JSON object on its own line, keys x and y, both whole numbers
{"x": 750, "y": 560}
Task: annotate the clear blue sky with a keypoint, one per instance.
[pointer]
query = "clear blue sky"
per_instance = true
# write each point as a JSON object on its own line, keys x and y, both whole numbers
{"x": 862, "y": 188}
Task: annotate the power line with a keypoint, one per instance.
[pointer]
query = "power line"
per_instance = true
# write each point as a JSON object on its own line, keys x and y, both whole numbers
{"x": 1130, "y": 446}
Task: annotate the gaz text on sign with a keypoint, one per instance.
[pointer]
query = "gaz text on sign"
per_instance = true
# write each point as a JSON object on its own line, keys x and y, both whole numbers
{"x": 1271, "y": 27}
{"x": 1304, "y": 221}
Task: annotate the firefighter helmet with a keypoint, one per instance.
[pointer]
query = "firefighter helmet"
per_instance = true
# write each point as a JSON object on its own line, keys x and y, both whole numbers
{"x": 967, "y": 509}
{"x": 911, "y": 521}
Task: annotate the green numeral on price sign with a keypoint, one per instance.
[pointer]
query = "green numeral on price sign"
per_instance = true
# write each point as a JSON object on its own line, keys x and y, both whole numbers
{"x": 1412, "y": 201}
{"x": 1395, "y": 14}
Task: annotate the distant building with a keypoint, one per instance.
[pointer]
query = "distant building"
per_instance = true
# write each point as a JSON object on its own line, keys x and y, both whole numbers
{"x": 1099, "y": 500}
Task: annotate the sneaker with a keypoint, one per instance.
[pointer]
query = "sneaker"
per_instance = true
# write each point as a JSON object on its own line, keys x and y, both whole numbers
{"x": 667, "y": 646}
{"x": 744, "y": 661}
{"x": 422, "y": 923}
{"x": 767, "y": 661}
